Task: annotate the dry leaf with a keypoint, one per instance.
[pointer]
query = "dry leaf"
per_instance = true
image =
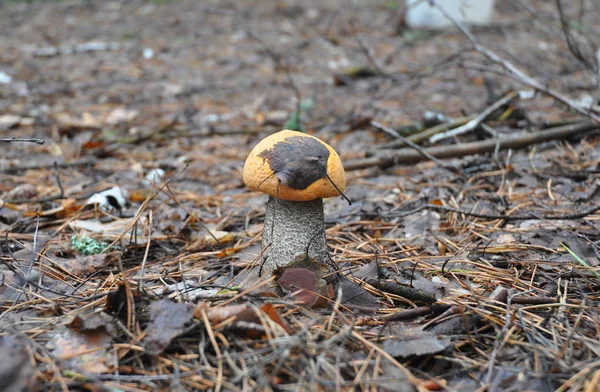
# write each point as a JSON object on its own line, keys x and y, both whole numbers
{"x": 88, "y": 350}
{"x": 16, "y": 372}
{"x": 416, "y": 342}
{"x": 168, "y": 320}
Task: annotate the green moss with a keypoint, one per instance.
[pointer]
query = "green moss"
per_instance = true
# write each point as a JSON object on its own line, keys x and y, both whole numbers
{"x": 87, "y": 246}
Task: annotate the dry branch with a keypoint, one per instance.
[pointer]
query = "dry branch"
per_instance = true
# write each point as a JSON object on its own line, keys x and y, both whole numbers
{"x": 403, "y": 291}
{"x": 407, "y": 155}
{"x": 416, "y": 147}
{"x": 423, "y": 135}
{"x": 413, "y": 313}
{"x": 35, "y": 166}
{"x": 474, "y": 123}
{"x": 15, "y": 139}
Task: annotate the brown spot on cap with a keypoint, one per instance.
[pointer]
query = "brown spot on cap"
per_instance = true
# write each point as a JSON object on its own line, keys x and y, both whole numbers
{"x": 294, "y": 166}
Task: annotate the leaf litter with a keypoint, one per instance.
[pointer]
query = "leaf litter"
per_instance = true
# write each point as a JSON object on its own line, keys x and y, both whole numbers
{"x": 479, "y": 277}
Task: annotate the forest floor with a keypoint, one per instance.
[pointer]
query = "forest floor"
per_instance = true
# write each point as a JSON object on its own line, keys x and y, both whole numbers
{"x": 476, "y": 272}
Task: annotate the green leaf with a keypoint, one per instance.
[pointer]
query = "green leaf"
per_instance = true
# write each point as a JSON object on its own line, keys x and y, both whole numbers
{"x": 295, "y": 122}
{"x": 580, "y": 260}
{"x": 307, "y": 104}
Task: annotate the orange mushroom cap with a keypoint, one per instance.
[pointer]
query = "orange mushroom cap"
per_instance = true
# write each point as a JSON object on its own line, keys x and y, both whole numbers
{"x": 292, "y": 165}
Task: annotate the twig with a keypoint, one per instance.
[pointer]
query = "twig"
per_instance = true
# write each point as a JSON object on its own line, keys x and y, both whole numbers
{"x": 416, "y": 147}
{"x": 403, "y": 291}
{"x": 368, "y": 55}
{"x": 474, "y": 123}
{"x": 422, "y": 135}
{"x": 35, "y": 166}
{"x": 528, "y": 216}
{"x": 33, "y": 260}
{"x": 142, "y": 208}
{"x": 572, "y": 43}
{"x": 143, "y": 269}
{"x": 409, "y": 314}
{"x": 16, "y": 139}
{"x": 514, "y": 72}
{"x": 501, "y": 335}
{"x": 57, "y": 175}
{"x": 387, "y": 159}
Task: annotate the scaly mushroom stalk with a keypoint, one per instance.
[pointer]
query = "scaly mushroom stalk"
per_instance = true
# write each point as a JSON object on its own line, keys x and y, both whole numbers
{"x": 290, "y": 226}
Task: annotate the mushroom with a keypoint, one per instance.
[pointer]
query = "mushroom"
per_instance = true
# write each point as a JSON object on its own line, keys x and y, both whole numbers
{"x": 297, "y": 171}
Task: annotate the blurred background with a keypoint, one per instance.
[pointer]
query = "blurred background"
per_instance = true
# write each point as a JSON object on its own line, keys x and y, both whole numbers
{"x": 84, "y": 74}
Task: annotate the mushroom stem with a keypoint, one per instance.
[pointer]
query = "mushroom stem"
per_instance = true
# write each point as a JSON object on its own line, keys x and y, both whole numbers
{"x": 289, "y": 228}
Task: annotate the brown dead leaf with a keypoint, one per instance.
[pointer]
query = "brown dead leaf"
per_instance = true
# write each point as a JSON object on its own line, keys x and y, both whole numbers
{"x": 86, "y": 265}
{"x": 139, "y": 195}
{"x": 89, "y": 350}
{"x": 307, "y": 288}
{"x": 69, "y": 121}
{"x": 8, "y": 121}
{"x": 229, "y": 251}
{"x": 245, "y": 321}
{"x": 93, "y": 143}
{"x": 354, "y": 296}
{"x": 121, "y": 115}
{"x": 168, "y": 320}
{"x": 16, "y": 372}
{"x": 219, "y": 314}
{"x": 416, "y": 342}
{"x": 270, "y": 310}
{"x": 68, "y": 208}
{"x": 93, "y": 322}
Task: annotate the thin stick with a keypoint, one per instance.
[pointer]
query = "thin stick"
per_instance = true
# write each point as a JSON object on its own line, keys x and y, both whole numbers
{"x": 474, "y": 123}
{"x": 141, "y": 209}
{"x": 56, "y": 174}
{"x": 418, "y": 148}
{"x": 35, "y": 166}
{"x": 527, "y": 216}
{"x": 143, "y": 269}
{"x": 16, "y": 139}
{"x": 410, "y": 377}
{"x": 338, "y": 189}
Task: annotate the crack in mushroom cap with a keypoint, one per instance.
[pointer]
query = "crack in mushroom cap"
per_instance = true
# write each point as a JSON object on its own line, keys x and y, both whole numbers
{"x": 298, "y": 163}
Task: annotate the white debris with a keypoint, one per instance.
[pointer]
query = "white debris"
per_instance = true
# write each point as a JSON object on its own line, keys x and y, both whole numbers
{"x": 154, "y": 177}
{"x": 422, "y": 14}
{"x": 526, "y": 94}
{"x": 433, "y": 118}
{"x": 8, "y": 121}
{"x": 92, "y": 46}
{"x": 121, "y": 115}
{"x": 110, "y": 199}
{"x": 148, "y": 53}
{"x": 5, "y": 78}
{"x": 587, "y": 101}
